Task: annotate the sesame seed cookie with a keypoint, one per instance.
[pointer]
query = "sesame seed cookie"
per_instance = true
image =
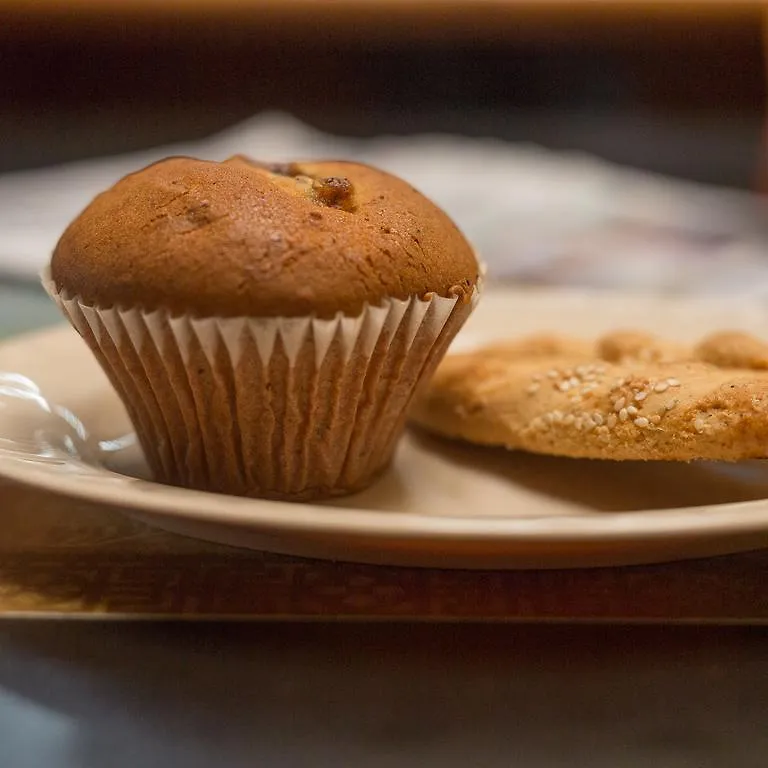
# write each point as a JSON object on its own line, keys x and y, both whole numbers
{"x": 626, "y": 396}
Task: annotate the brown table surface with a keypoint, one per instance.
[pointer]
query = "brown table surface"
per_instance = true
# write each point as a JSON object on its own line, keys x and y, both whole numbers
{"x": 70, "y": 558}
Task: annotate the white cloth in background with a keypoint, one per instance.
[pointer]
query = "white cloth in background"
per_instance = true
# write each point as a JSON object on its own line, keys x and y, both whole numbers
{"x": 535, "y": 216}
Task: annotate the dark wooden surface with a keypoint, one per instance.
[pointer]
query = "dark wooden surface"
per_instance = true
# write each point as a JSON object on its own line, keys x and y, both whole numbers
{"x": 59, "y": 556}
{"x": 90, "y": 695}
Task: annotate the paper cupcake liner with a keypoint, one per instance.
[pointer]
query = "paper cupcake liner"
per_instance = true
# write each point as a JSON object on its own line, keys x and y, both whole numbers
{"x": 279, "y": 407}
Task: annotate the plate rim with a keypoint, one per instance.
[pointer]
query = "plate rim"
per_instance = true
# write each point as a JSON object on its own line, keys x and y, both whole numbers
{"x": 575, "y": 527}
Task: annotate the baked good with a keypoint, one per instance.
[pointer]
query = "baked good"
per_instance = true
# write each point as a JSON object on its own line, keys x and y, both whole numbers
{"x": 265, "y": 325}
{"x": 241, "y": 238}
{"x": 624, "y": 396}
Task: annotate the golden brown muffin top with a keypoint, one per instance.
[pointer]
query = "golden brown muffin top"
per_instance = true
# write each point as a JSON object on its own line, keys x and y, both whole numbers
{"x": 245, "y": 238}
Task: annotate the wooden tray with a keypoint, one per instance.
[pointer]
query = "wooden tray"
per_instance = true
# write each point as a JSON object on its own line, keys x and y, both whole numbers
{"x": 68, "y": 558}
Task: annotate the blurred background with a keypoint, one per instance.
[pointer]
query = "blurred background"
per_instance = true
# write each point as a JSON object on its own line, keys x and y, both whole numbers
{"x": 673, "y": 87}
{"x": 582, "y": 142}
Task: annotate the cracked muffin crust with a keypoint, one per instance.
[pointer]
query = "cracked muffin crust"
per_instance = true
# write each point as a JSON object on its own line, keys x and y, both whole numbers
{"x": 247, "y": 238}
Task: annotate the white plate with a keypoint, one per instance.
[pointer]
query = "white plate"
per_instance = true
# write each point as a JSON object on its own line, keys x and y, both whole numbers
{"x": 442, "y": 504}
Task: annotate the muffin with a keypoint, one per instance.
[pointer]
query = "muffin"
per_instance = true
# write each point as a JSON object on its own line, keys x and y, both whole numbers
{"x": 266, "y": 326}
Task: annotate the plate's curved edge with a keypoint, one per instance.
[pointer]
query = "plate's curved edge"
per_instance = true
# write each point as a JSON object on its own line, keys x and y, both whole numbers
{"x": 145, "y": 496}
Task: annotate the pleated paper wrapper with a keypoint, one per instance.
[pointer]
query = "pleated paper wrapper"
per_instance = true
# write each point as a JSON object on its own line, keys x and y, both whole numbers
{"x": 286, "y": 408}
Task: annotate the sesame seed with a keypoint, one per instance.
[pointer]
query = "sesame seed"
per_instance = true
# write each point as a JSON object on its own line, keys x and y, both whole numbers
{"x": 582, "y": 370}
{"x": 631, "y": 410}
{"x": 641, "y": 422}
{"x": 662, "y": 386}
{"x": 564, "y": 386}
{"x": 578, "y": 424}
{"x": 537, "y": 424}
{"x": 673, "y": 382}
{"x": 699, "y": 425}
{"x": 618, "y": 404}
{"x": 574, "y": 382}
{"x": 557, "y": 416}
{"x": 640, "y": 396}
{"x": 671, "y": 404}
{"x": 575, "y": 398}
{"x": 568, "y": 419}
{"x": 597, "y": 418}
{"x": 611, "y": 420}
{"x": 553, "y": 374}
{"x": 533, "y": 389}
{"x": 655, "y": 419}
{"x": 623, "y": 414}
